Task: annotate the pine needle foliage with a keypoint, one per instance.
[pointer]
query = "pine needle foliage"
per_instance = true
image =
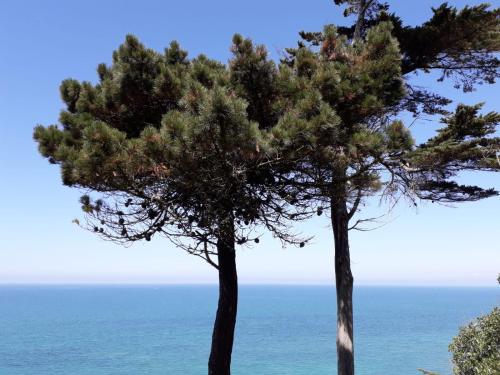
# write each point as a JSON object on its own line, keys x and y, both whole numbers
{"x": 174, "y": 146}
{"x": 194, "y": 149}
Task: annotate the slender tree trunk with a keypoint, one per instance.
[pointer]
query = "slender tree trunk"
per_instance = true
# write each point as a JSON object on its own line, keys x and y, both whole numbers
{"x": 361, "y": 15}
{"x": 344, "y": 285}
{"x": 340, "y": 224}
{"x": 225, "y": 320}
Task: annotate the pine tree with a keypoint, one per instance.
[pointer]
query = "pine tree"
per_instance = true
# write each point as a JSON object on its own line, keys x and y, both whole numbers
{"x": 204, "y": 153}
{"x": 164, "y": 145}
{"x": 346, "y": 87}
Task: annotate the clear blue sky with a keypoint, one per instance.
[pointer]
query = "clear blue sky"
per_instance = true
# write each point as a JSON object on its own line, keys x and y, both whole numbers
{"x": 45, "y": 42}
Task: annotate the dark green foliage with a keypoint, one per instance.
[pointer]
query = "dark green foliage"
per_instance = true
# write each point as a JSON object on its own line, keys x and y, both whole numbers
{"x": 461, "y": 44}
{"x": 254, "y": 77}
{"x": 186, "y": 147}
{"x": 340, "y": 121}
{"x": 466, "y": 142}
{"x": 345, "y": 89}
{"x": 368, "y": 7}
{"x": 457, "y": 42}
{"x": 175, "y": 144}
{"x": 351, "y": 89}
{"x": 466, "y": 123}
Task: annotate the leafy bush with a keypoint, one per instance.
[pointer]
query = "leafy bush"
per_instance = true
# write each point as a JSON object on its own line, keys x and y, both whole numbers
{"x": 476, "y": 349}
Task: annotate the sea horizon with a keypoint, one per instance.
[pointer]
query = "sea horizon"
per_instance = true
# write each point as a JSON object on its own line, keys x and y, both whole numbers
{"x": 159, "y": 329}
{"x": 4, "y": 284}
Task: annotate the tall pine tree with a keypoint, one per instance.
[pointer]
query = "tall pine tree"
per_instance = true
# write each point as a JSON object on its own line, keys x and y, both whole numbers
{"x": 165, "y": 146}
{"x": 347, "y": 87}
{"x": 203, "y": 153}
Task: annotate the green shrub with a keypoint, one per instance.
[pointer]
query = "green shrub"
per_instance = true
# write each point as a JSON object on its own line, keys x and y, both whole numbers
{"x": 476, "y": 349}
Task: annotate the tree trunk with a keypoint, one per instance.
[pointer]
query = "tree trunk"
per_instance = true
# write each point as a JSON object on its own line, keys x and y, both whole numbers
{"x": 225, "y": 320}
{"x": 362, "y": 7}
{"x": 344, "y": 285}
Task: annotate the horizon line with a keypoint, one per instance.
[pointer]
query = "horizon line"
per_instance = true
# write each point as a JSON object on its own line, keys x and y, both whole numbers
{"x": 166, "y": 284}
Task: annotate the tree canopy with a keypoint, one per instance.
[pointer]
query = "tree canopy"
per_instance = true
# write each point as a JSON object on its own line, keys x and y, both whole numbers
{"x": 182, "y": 148}
{"x": 206, "y": 153}
{"x": 174, "y": 144}
{"x": 344, "y": 124}
{"x": 344, "y": 119}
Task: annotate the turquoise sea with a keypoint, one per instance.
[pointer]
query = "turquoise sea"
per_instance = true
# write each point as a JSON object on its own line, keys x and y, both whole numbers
{"x": 281, "y": 330}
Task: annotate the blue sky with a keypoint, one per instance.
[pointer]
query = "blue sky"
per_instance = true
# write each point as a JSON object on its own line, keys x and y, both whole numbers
{"x": 46, "y": 42}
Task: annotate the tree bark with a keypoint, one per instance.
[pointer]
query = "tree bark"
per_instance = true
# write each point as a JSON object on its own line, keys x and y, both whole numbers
{"x": 225, "y": 320}
{"x": 362, "y": 7}
{"x": 344, "y": 286}
{"x": 340, "y": 223}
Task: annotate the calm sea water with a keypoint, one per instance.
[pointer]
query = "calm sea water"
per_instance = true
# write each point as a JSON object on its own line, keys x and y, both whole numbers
{"x": 163, "y": 330}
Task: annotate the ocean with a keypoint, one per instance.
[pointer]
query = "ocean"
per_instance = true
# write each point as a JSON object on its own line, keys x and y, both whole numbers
{"x": 281, "y": 330}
